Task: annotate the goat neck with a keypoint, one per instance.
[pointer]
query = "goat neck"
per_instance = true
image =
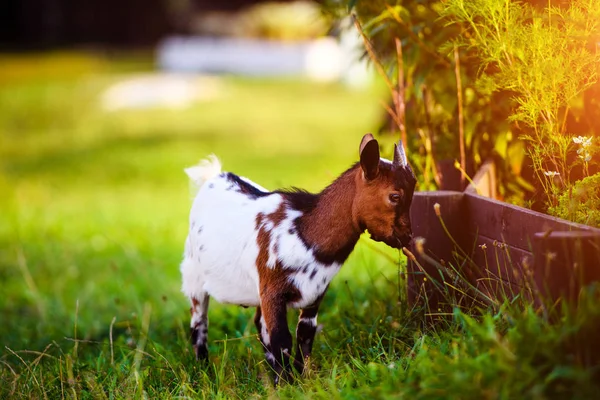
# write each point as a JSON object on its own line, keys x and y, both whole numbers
{"x": 330, "y": 228}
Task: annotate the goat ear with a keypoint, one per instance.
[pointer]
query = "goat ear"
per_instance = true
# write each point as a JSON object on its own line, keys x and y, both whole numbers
{"x": 369, "y": 156}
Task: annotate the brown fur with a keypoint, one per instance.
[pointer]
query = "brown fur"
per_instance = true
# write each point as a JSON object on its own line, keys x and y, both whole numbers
{"x": 194, "y": 305}
{"x": 353, "y": 203}
{"x": 272, "y": 281}
{"x": 331, "y": 224}
{"x": 373, "y": 207}
{"x": 278, "y": 215}
{"x": 275, "y": 292}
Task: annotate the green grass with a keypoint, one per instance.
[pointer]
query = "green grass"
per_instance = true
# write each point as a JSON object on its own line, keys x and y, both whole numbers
{"x": 93, "y": 217}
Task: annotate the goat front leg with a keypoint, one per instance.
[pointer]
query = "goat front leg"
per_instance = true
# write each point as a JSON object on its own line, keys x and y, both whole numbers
{"x": 305, "y": 333}
{"x": 263, "y": 334}
{"x": 279, "y": 343}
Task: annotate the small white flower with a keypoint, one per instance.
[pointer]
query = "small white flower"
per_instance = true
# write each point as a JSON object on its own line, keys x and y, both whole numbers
{"x": 584, "y": 155}
{"x": 551, "y": 173}
{"x": 584, "y": 141}
{"x": 420, "y": 245}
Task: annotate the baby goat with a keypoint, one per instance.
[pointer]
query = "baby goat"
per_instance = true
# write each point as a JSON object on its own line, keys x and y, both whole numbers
{"x": 274, "y": 250}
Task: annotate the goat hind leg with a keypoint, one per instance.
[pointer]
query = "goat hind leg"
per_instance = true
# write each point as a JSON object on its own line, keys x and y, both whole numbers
{"x": 199, "y": 325}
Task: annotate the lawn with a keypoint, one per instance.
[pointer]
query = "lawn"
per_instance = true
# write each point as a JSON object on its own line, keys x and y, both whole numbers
{"x": 94, "y": 214}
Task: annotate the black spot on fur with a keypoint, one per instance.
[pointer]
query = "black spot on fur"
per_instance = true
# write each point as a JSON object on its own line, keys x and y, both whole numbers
{"x": 211, "y": 185}
{"x": 312, "y": 274}
{"x": 305, "y": 269}
{"x": 194, "y": 335}
{"x": 300, "y": 199}
{"x": 244, "y": 187}
{"x": 200, "y": 229}
{"x": 328, "y": 258}
{"x": 201, "y": 248}
{"x": 324, "y": 280}
{"x": 292, "y": 231}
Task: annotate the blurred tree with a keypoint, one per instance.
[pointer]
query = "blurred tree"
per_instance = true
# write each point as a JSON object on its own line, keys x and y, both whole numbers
{"x": 39, "y": 24}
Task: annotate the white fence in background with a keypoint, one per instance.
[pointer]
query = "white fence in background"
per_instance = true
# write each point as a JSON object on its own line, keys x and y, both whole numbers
{"x": 325, "y": 59}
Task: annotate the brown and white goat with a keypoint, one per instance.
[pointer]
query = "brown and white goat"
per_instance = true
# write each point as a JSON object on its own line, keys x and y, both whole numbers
{"x": 275, "y": 250}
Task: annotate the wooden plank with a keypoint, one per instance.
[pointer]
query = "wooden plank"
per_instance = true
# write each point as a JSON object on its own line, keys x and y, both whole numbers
{"x": 566, "y": 261}
{"x": 426, "y": 224}
{"x": 502, "y": 269}
{"x": 511, "y": 224}
{"x": 508, "y": 248}
{"x": 484, "y": 181}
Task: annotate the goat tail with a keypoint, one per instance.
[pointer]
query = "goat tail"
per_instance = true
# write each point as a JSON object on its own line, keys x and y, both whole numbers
{"x": 205, "y": 170}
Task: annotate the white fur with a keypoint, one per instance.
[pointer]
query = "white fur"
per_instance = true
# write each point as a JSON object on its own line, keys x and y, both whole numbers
{"x": 264, "y": 333}
{"x": 221, "y": 247}
{"x": 205, "y": 170}
{"x": 309, "y": 321}
{"x": 221, "y": 259}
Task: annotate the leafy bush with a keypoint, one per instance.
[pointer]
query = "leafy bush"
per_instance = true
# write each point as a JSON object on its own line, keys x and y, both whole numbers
{"x": 498, "y": 79}
{"x": 430, "y": 88}
{"x": 581, "y": 203}
{"x": 546, "y": 58}
{"x": 298, "y": 20}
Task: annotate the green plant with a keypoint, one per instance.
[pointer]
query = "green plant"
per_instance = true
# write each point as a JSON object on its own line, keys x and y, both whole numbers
{"x": 436, "y": 79}
{"x": 555, "y": 336}
{"x": 525, "y": 74}
{"x": 581, "y": 203}
{"x": 546, "y": 57}
{"x": 384, "y": 28}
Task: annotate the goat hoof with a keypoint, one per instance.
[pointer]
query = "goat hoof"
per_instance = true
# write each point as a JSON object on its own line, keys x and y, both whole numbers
{"x": 283, "y": 377}
{"x": 201, "y": 353}
{"x": 299, "y": 365}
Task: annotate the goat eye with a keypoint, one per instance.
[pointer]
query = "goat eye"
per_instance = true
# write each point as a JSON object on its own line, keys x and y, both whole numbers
{"x": 394, "y": 197}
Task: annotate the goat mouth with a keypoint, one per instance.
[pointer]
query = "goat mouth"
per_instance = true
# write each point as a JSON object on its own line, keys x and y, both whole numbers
{"x": 393, "y": 241}
{"x": 402, "y": 240}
